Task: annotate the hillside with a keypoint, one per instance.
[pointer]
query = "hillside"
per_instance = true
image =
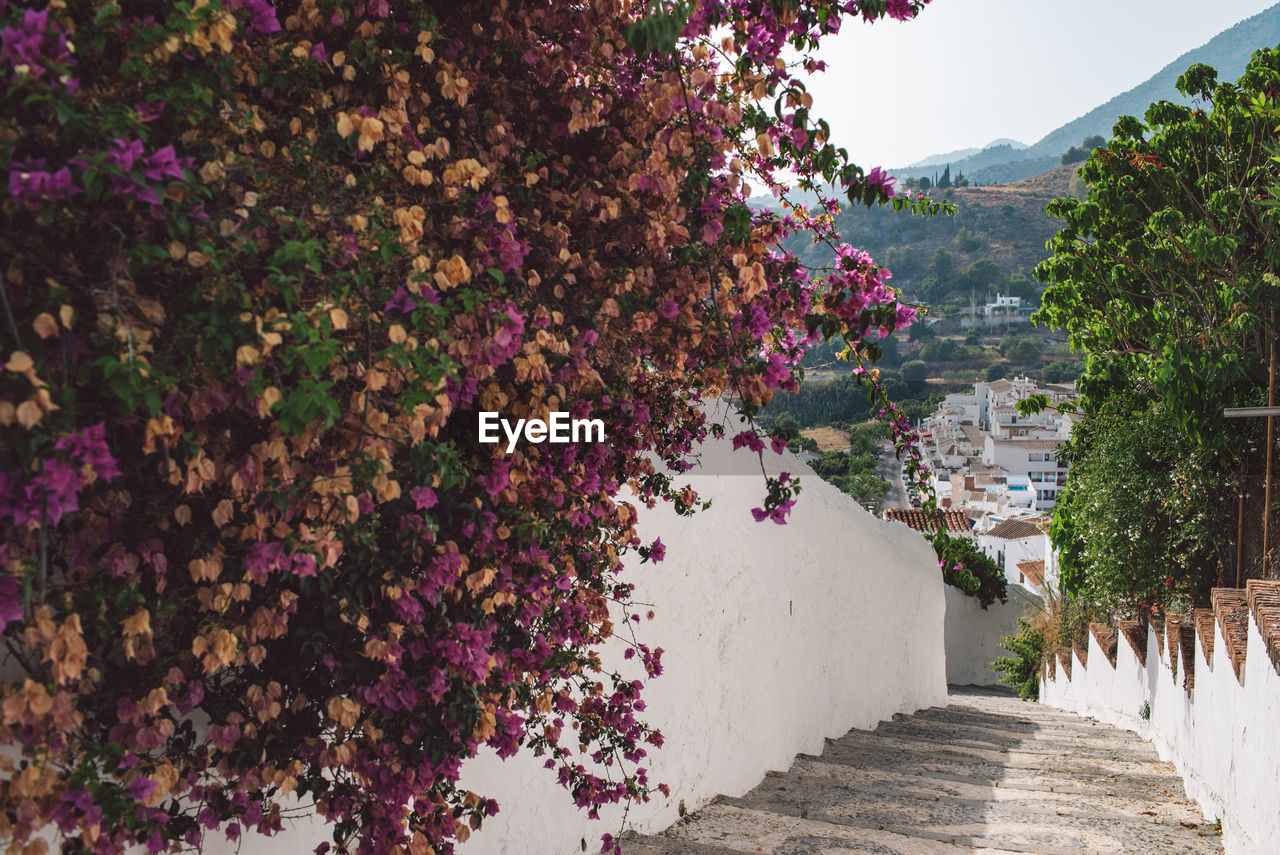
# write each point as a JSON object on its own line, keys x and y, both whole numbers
{"x": 1229, "y": 51}
{"x": 1005, "y": 225}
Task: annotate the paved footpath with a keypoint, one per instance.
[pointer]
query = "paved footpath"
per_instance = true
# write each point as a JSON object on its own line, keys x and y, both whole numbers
{"x": 988, "y": 773}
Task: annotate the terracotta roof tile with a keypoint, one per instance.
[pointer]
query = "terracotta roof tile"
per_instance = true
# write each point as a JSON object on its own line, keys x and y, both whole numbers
{"x": 1232, "y": 611}
{"x": 1033, "y": 570}
{"x": 1015, "y": 530}
{"x": 1029, "y": 443}
{"x": 922, "y": 520}
{"x": 1264, "y": 602}
{"x": 1205, "y": 624}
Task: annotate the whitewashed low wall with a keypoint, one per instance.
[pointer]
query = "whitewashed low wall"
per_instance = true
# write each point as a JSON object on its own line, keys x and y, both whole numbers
{"x": 775, "y": 638}
{"x": 973, "y": 634}
{"x": 1223, "y": 737}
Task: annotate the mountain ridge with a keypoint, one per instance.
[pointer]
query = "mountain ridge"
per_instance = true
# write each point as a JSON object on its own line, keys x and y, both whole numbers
{"x": 1228, "y": 51}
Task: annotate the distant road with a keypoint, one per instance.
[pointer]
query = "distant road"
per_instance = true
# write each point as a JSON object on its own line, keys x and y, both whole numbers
{"x": 888, "y": 467}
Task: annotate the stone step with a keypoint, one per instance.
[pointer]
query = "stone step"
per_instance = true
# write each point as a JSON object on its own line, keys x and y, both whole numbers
{"x": 1083, "y": 824}
{"x": 874, "y": 784}
{"x": 1044, "y": 741}
{"x": 721, "y": 829}
{"x": 985, "y": 774}
{"x": 863, "y": 748}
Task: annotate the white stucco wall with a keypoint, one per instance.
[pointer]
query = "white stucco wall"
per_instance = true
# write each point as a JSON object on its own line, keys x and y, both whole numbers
{"x": 1222, "y": 737}
{"x": 775, "y": 637}
{"x": 973, "y": 634}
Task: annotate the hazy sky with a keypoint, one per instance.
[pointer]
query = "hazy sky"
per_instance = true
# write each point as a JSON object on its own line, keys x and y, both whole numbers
{"x": 966, "y": 72}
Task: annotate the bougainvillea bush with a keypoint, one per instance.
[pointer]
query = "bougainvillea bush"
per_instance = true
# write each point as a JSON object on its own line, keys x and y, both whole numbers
{"x": 262, "y": 266}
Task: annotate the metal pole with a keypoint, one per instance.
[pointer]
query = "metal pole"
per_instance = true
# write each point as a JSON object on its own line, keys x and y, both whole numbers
{"x": 1240, "y": 537}
{"x": 1271, "y": 426}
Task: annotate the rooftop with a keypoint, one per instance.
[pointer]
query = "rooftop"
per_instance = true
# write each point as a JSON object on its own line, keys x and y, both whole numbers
{"x": 922, "y": 520}
{"x": 1033, "y": 570}
{"x": 1028, "y": 443}
{"x": 1015, "y": 530}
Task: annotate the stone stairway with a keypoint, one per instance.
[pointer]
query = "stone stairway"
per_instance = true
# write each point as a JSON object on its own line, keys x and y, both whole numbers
{"x": 987, "y": 773}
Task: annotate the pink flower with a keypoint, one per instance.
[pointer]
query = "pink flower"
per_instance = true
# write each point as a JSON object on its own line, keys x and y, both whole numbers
{"x": 881, "y": 180}
{"x": 424, "y": 498}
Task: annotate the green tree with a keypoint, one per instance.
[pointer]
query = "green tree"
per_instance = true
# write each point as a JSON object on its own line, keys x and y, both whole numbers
{"x": 1166, "y": 271}
{"x": 945, "y": 181}
{"x": 932, "y": 289}
{"x": 1019, "y": 285}
{"x": 942, "y": 264}
{"x": 982, "y": 273}
{"x": 993, "y": 372}
{"x": 1077, "y": 154}
{"x": 904, "y": 261}
{"x": 1027, "y": 350}
{"x": 967, "y": 241}
{"x": 1022, "y": 668}
{"x": 786, "y": 425}
{"x": 1060, "y": 371}
{"x": 915, "y": 372}
{"x": 1164, "y": 275}
{"x": 938, "y": 350}
{"x": 1147, "y": 513}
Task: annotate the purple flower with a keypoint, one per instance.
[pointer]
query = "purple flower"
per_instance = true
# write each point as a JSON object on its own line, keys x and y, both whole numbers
{"x": 142, "y": 787}
{"x": 51, "y": 495}
{"x": 424, "y": 498}
{"x": 40, "y": 186}
{"x": 30, "y": 47}
{"x": 779, "y": 514}
{"x": 125, "y": 153}
{"x": 149, "y": 111}
{"x": 657, "y": 550}
{"x": 89, "y": 446}
{"x": 263, "y": 559}
{"x": 401, "y": 302}
{"x": 163, "y": 162}
{"x": 262, "y": 15}
{"x": 749, "y": 439}
{"x": 881, "y": 180}
{"x": 304, "y": 564}
{"x": 319, "y": 53}
{"x": 900, "y": 10}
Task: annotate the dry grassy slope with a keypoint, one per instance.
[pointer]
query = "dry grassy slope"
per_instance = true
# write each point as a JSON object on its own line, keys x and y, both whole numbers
{"x": 827, "y": 438}
{"x": 1014, "y": 240}
{"x": 1009, "y": 218}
